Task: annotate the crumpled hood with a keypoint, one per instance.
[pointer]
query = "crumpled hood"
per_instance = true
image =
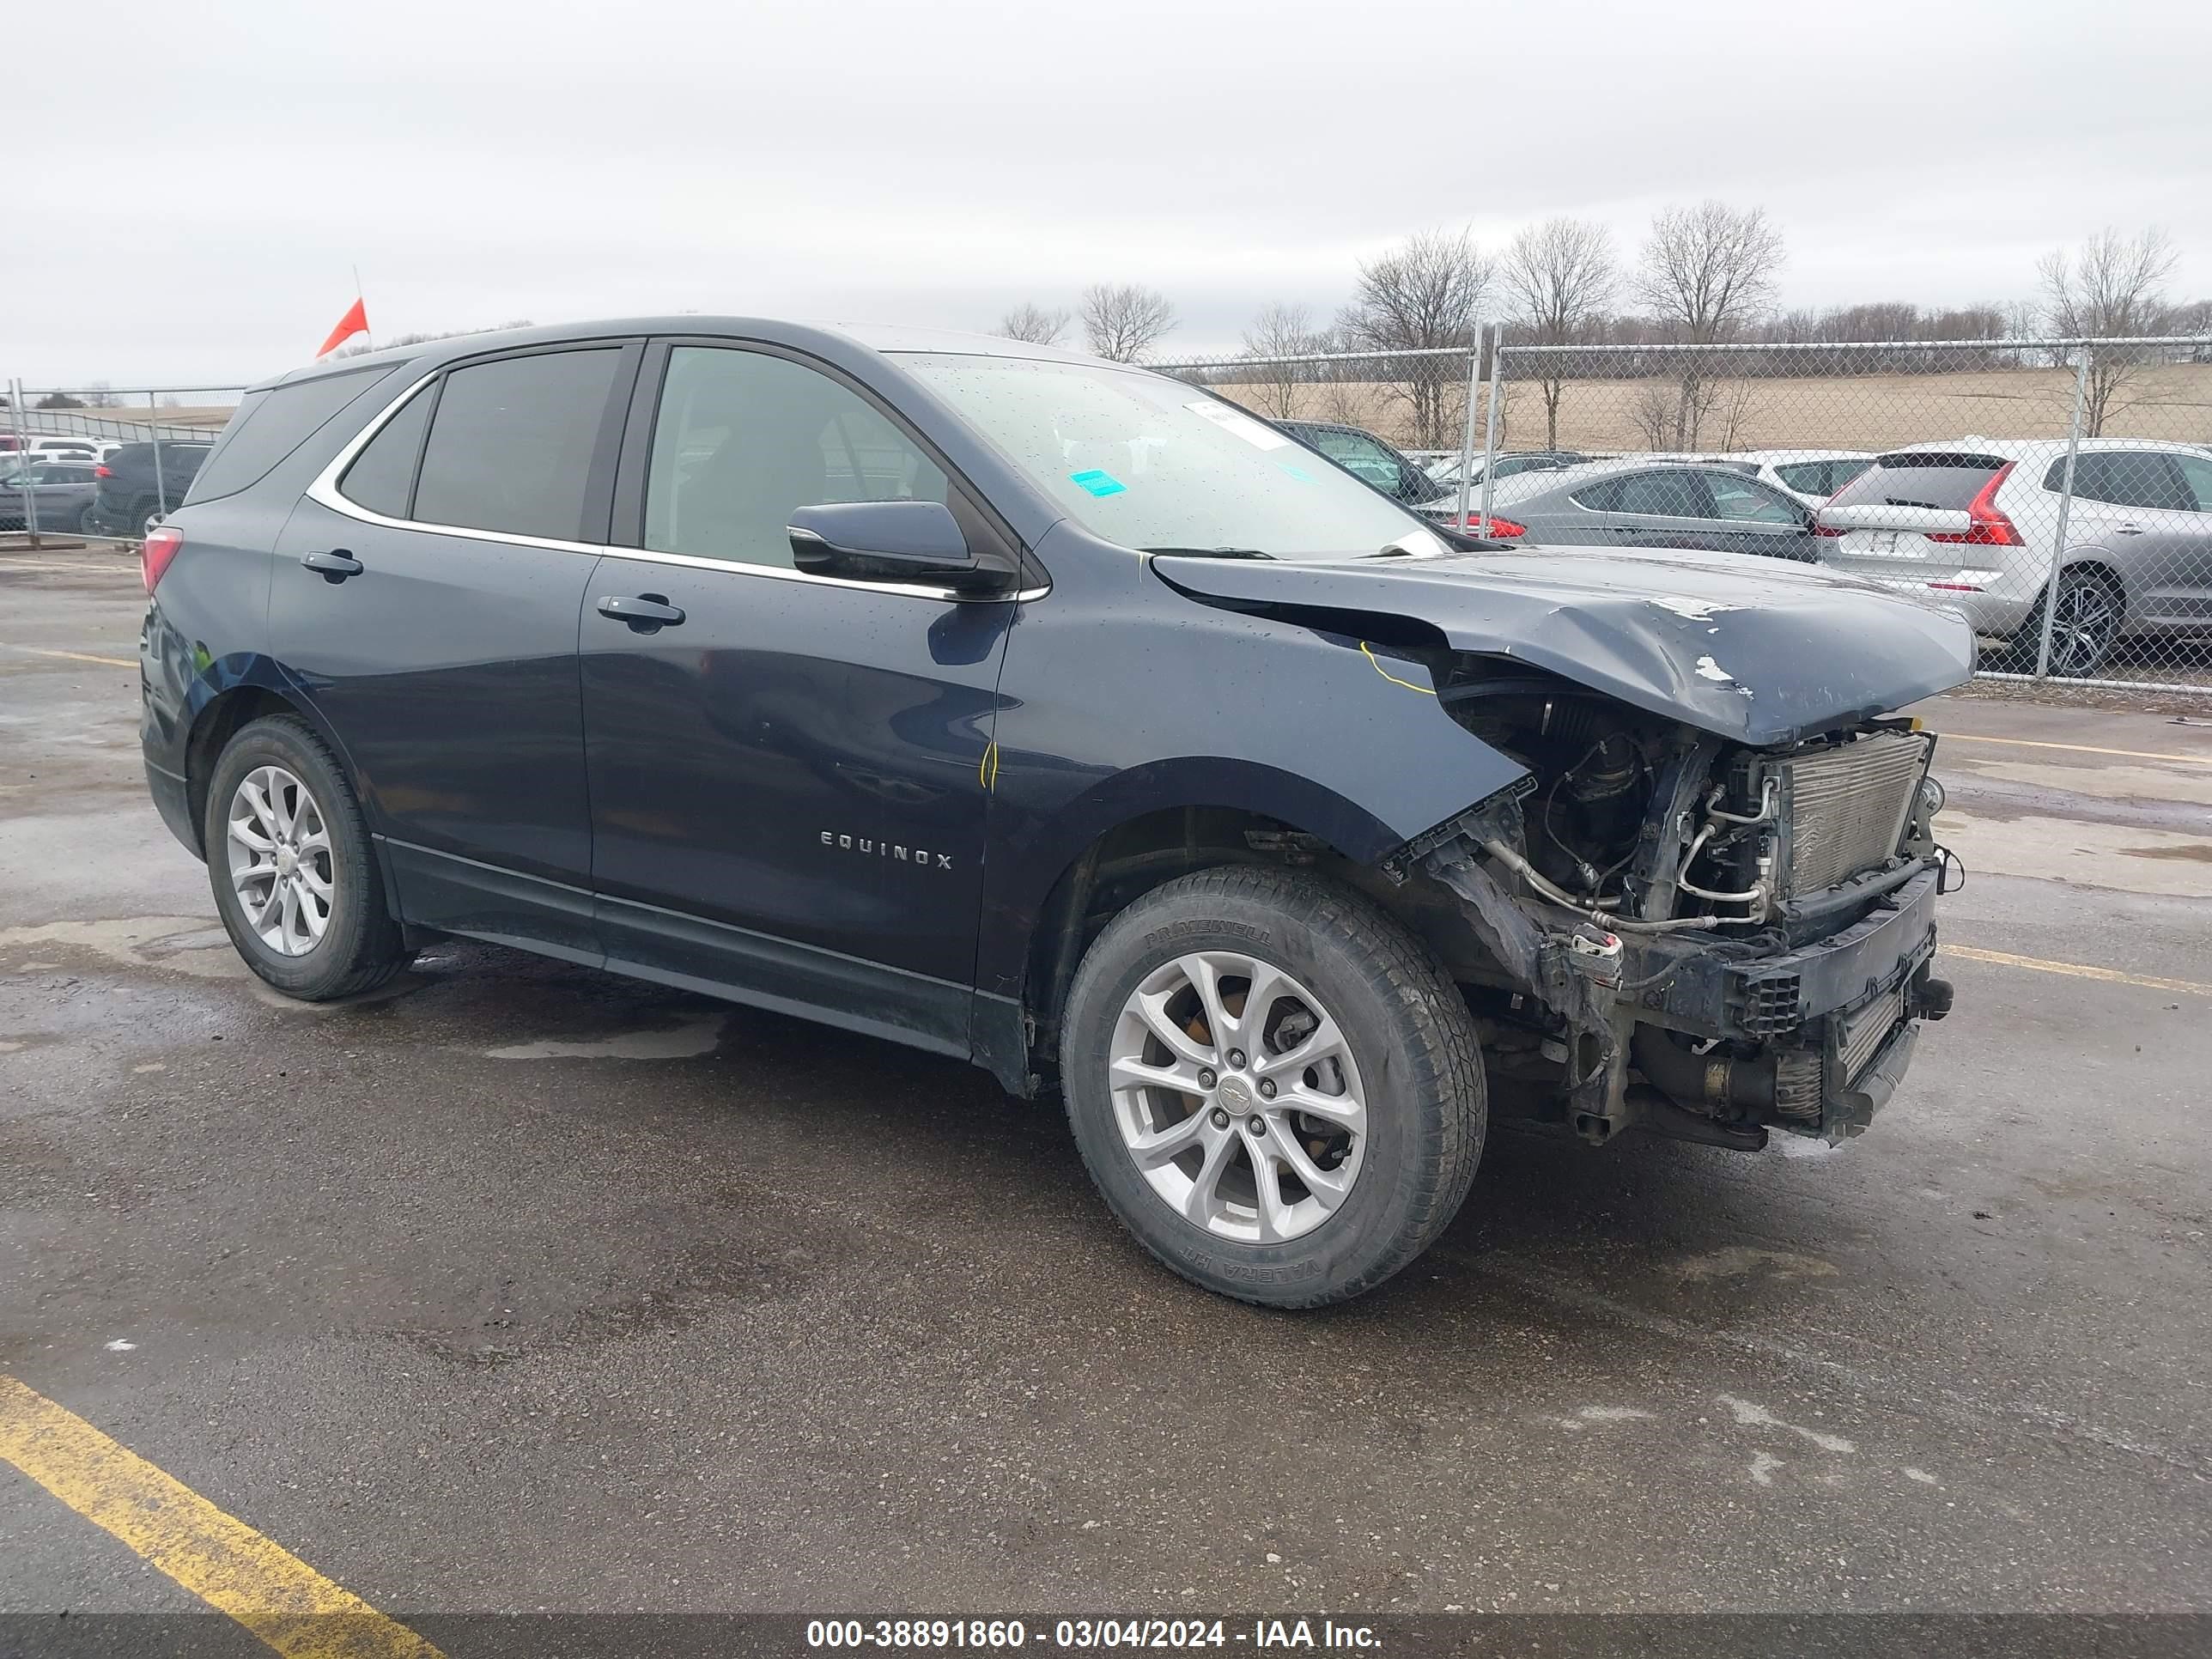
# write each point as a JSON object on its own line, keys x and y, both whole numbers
{"x": 1752, "y": 649}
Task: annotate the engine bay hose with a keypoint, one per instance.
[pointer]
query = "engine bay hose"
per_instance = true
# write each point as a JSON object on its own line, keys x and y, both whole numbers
{"x": 1536, "y": 879}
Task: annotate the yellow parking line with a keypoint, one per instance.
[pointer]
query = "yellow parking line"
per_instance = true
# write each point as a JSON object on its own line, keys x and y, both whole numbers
{"x": 275, "y": 1595}
{"x": 2076, "y": 969}
{"x": 2077, "y": 747}
{"x": 77, "y": 656}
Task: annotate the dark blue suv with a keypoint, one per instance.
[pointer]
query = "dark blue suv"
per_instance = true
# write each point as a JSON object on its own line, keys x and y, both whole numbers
{"x": 1063, "y": 717}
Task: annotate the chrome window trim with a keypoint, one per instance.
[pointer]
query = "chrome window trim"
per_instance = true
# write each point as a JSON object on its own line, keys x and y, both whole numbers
{"x": 324, "y": 492}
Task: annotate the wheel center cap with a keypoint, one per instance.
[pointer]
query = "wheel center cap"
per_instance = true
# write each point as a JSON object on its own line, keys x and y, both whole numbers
{"x": 287, "y": 860}
{"x": 1234, "y": 1094}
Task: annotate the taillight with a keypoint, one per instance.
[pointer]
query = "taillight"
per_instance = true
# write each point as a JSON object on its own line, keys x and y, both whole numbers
{"x": 103, "y": 473}
{"x": 1987, "y": 527}
{"x": 161, "y": 546}
{"x": 1827, "y": 530}
{"x": 1503, "y": 530}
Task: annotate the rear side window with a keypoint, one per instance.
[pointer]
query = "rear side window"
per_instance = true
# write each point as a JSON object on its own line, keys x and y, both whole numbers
{"x": 1940, "y": 479}
{"x": 1811, "y": 477}
{"x": 1664, "y": 495}
{"x": 269, "y": 425}
{"x": 1360, "y": 456}
{"x": 1842, "y": 472}
{"x": 382, "y": 476}
{"x": 510, "y": 444}
{"x": 2145, "y": 479}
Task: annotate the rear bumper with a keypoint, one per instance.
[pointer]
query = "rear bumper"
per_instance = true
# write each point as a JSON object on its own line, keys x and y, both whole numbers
{"x": 173, "y": 800}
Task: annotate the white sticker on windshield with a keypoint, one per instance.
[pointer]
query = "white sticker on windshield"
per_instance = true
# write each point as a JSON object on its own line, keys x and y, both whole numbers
{"x": 1256, "y": 434}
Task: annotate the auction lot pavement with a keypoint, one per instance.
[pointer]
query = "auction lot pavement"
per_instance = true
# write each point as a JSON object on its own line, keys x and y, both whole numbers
{"x": 524, "y": 1287}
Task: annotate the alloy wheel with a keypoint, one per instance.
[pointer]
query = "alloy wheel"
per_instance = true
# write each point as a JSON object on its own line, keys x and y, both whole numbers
{"x": 280, "y": 857}
{"x": 1238, "y": 1097}
{"x": 2082, "y": 626}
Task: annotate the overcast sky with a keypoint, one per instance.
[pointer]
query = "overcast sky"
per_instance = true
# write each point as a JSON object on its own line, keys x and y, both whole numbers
{"x": 204, "y": 177}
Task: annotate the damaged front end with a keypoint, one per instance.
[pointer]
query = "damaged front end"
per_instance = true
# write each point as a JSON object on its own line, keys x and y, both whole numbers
{"x": 1703, "y": 938}
{"x": 1706, "y": 906}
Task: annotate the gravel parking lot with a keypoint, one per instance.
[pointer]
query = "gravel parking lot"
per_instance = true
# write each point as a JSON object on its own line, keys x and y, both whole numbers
{"x": 522, "y": 1288}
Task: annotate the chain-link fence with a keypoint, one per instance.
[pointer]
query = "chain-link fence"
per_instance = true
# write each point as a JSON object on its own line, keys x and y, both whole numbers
{"x": 101, "y": 462}
{"x": 2057, "y": 493}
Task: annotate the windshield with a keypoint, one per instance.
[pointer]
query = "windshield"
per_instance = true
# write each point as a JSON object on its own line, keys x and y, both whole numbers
{"x": 1151, "y": 463}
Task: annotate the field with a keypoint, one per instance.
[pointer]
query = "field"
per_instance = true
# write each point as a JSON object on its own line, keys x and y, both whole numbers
{"x": 1870, "y": 411}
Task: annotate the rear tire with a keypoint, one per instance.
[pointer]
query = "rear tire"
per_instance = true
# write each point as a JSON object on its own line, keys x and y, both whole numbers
{"x": 295, "y": 873}
{"x": 1358, "y": 1097}
{"x": 2090, "y": 616}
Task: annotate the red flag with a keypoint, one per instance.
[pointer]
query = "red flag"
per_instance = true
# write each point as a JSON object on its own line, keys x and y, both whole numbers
{"x": 356, "y": 321}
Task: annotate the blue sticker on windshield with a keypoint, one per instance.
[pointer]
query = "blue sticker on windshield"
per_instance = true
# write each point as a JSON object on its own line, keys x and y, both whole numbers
{"x": 1297, "y": 472}
{"x": 1098, "y": 482}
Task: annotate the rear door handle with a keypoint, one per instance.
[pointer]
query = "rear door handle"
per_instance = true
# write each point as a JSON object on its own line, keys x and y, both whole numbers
{"x": 2130, "y": 529}
{"x": 644, "y": 613}
{"x": 336, "y": 565}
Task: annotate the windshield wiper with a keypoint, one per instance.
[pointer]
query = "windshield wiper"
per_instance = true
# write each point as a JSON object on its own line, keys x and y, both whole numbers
{"x": 1212, "y": 552}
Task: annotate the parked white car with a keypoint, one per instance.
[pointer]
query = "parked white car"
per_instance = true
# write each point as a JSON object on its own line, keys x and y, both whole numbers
{"x": 64, "y": 448}
{"x": 1811, "y": 475}
{"x": 1971, "y": 524}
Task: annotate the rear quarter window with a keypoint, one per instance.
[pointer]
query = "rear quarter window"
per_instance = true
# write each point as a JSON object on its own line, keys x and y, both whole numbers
{"x": 269, "y": 425}
{"x": 1945, "y": 481}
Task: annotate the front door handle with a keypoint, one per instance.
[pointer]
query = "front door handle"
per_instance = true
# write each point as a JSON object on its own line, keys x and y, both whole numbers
{"x": 336, "y": 565}
{"x": 645, "y": 613}
{"x": 2130, "y": 529}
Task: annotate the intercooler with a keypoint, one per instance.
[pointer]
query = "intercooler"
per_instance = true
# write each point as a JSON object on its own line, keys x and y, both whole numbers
{"x": 1840, "y": 809}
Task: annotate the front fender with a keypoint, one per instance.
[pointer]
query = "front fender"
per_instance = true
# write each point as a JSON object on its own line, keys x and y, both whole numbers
{"x": 1122, "y": 698}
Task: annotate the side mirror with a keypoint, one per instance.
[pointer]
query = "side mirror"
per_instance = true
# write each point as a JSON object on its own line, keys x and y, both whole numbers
{"x": 888, "y": 541}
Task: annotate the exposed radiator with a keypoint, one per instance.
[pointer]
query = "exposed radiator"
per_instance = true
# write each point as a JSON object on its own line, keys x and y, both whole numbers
{"x": 1843, "y": 810}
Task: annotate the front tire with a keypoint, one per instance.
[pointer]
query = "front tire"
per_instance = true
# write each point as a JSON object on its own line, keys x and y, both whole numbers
{"x": 293, "y": 868}
{"x": 1292, "y": 1156}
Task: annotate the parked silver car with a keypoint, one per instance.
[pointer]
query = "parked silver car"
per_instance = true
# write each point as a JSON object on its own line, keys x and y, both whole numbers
{"x": 62, "y": 492}
{"x": 1642, "y": 503}
{"x": 1971, "y": 525}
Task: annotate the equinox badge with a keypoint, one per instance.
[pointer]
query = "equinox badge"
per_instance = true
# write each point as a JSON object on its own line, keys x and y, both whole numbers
{"x": 885, "y": 850}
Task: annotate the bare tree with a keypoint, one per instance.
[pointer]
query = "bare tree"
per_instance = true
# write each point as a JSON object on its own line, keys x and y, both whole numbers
{"x": 1707, "y": 273}
{"x": 1736, "y": 404}
{"x": 1124, "y": 320}
{"x": 1422, "y": 295}
{"x": 1031, "y": 322}
{"x": 1282, "y": 330}
{"x": 2110, "y": 286}
{"x": 102, "y": 396}
{"x": 1559, "y": 277}
{"x": 1655, "y": 413}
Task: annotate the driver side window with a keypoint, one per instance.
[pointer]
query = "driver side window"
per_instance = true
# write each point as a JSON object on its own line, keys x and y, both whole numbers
{"x": 744, "y": 438}
{"x": 1748, "y": 502}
